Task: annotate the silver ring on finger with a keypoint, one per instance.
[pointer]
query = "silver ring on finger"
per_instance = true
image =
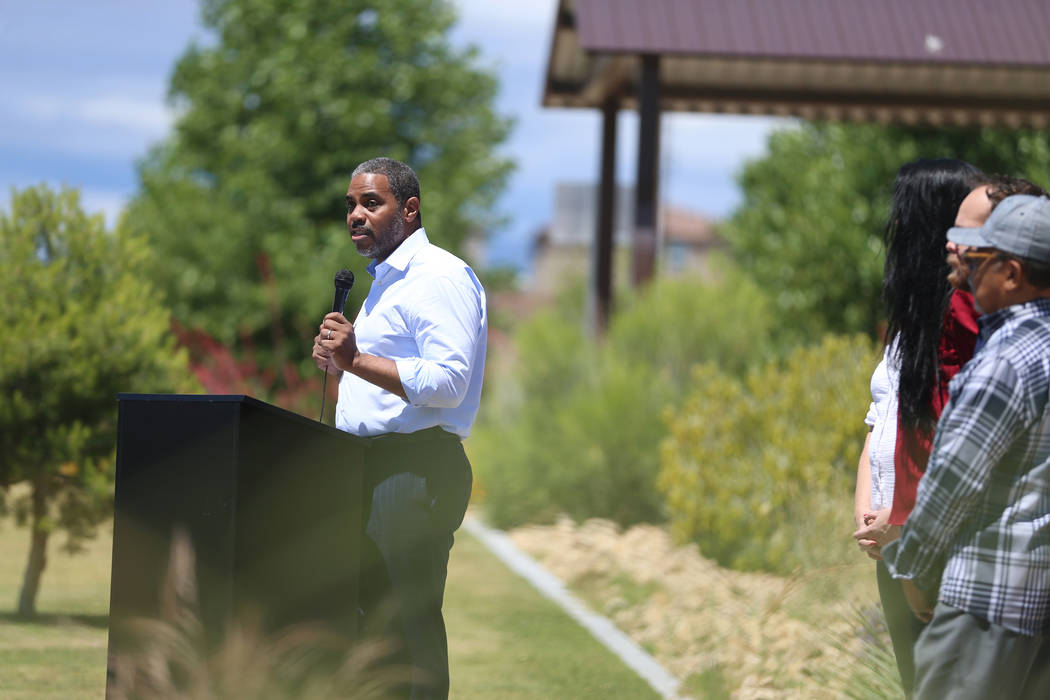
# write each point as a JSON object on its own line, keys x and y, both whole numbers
{"x": 329, "y": 336}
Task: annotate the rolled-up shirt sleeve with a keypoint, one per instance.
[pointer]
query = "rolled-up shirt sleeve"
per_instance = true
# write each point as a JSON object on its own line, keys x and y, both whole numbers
{"x": 445, "y": 321}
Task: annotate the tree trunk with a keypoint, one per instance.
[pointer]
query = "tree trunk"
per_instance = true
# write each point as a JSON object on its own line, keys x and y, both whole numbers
{"x": 37, "y": 551}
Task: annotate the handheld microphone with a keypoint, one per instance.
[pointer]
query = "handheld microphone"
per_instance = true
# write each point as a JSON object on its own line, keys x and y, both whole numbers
{"x": 344, "y": 280}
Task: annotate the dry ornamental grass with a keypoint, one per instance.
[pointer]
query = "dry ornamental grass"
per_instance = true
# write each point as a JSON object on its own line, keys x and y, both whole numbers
{"x": 753, "y": 635}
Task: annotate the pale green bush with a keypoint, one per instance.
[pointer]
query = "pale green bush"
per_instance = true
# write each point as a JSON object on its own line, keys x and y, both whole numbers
{"x": 577, "y": 433}
{"x": 759, "y": 472}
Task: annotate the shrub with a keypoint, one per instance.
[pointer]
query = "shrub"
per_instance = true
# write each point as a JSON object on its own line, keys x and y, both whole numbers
{"x": 759, "y": 471}
{"x": 577, "y": 426}
{"x": 603, "y": 445}
{"x": 571, "y": 432}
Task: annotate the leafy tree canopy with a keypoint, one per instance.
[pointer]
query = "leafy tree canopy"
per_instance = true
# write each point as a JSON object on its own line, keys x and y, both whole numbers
{"x": 810, "y": 226}
{"x": 244, "y": 202}
{"x": 81, "y": 324}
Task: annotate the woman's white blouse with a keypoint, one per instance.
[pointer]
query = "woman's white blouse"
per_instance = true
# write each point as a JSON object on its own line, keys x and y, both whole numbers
{"x": 882, "y": 418}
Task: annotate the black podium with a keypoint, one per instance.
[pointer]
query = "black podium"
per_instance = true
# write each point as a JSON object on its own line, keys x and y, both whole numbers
{"x": 271, "y": 502}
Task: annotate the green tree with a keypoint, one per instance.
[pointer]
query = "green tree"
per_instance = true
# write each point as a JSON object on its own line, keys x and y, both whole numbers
{"x": 810, "y": 227}
{"x": 81, "y": 323}
{"x": 243, "y": 202}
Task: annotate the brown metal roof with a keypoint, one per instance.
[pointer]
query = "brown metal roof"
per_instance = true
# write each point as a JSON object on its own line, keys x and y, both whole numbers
{"x": 1002, "y": 32}
{"x": 914, "y": 61}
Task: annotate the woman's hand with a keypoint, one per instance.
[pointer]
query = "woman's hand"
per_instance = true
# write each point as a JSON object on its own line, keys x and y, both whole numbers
{"x": 876, "y": 532}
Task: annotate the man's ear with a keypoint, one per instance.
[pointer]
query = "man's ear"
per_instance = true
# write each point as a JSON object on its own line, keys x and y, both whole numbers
{"x": 1015, "y": 276}
{"x": 410, "y": 211}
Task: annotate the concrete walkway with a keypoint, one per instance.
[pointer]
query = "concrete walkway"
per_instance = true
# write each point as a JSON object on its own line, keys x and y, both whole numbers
{"x": 601, "y": 627}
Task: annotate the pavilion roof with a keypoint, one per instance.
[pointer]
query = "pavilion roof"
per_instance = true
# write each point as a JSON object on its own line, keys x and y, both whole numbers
{"x": 961, "y": 62}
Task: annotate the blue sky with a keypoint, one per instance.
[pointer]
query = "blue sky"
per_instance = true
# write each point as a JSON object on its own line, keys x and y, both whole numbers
{"x": 83, "y": 87}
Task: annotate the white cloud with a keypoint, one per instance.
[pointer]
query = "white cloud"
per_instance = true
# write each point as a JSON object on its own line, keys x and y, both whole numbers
{"x": 145, "y": 116}
{"x": 110, "y": 203}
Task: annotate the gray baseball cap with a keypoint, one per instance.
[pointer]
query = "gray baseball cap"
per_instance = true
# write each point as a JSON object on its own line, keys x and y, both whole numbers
{"x": 1019, "y": 225}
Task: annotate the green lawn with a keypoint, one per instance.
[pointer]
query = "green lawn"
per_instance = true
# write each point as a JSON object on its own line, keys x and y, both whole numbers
{"x": 62, "y": 654}
{"x": 505, "y": 640}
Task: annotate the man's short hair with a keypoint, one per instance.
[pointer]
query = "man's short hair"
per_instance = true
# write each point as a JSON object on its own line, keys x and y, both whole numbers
{"x": 1002, "y": 186}
{"x": 1036, "y": 272}
{"x": 403, "y": 181}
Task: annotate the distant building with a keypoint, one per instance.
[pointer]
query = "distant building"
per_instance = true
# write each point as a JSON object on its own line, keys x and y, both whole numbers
{"x": 564, "y": 249}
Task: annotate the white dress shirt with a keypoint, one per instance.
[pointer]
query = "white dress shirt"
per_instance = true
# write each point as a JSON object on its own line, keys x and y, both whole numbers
{"x": 426, "y": 312}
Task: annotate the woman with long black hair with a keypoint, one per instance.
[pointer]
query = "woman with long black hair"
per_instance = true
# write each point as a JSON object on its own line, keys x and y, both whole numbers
{"x": 931, "y": 332}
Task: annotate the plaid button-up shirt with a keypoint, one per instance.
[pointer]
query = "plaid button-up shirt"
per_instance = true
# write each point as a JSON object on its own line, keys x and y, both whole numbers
{"x": 982, "y": 513}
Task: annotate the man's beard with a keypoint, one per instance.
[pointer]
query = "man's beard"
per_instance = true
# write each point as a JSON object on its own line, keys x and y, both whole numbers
{"x": 385, "y": 244}
{"x": 958, "y": 277}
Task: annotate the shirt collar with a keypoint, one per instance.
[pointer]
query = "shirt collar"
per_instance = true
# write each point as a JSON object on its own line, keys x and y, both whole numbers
{"x": 990, "y": 323}
{"x": 401, "y": 257}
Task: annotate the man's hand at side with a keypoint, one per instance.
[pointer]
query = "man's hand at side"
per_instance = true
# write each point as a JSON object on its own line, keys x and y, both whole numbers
{"x": 918, "y": 601}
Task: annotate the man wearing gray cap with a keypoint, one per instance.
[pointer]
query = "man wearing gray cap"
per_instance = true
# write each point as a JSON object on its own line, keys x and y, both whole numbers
{"x": 981, "y": 523}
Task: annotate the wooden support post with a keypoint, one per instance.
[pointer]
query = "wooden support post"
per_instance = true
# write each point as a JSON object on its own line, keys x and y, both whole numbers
{"x": 645, "y": 187}
{"x": 603, "y": 240}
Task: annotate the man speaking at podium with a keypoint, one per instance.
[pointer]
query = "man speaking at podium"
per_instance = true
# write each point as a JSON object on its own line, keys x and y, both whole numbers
{"x": 411, "y": 367}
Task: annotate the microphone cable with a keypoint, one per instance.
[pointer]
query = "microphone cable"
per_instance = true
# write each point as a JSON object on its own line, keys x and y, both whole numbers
{"x": 324, "y": 393}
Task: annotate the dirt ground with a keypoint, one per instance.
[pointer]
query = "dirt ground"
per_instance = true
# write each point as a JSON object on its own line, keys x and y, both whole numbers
{"x": 726, "y": 633}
